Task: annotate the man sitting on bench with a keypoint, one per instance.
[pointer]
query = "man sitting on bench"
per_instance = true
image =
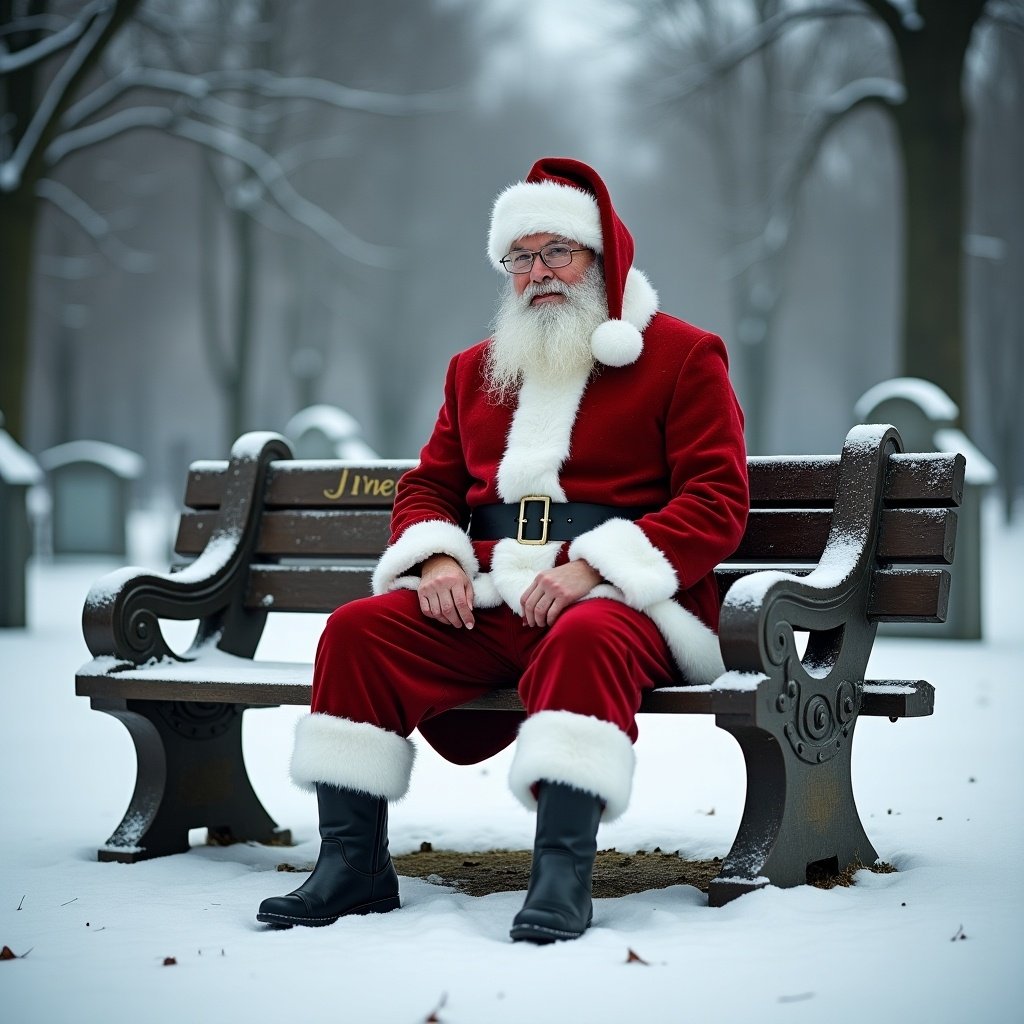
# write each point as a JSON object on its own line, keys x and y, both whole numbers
{"x": 585, "y": 475}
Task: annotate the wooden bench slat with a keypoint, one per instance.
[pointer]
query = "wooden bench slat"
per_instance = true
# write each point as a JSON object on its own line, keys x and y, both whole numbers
{"x": 283, "y": 588}
{"x": 917, "y": 535}
{"x": 338, "y": 533}
{"x": 787, "y": 482}
{"x": 922, "y": 479}
{"x": 896, "y": 698}
{"x": 925, "y": 535}
{"x": 897, "y": 595}
{"x": 306, "y": 484}
{"x": 921, "y": 536}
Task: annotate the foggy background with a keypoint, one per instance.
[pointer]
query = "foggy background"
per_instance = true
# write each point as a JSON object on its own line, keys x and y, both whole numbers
{"x": 261, "y": 252}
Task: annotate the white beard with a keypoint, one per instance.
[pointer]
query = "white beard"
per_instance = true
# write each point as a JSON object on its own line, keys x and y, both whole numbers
{"x": 549, "y": 342}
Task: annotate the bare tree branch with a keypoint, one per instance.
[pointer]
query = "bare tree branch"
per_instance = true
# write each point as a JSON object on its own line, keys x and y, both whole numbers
{"x": 13, "y": 168}
{"x": 259, "y": 82}
{"x": 52, "y": 44}
{"x": 96, "y": 226}
{"x": 894, "y": 20}
{"x": 1007, "y": 15}
{"x": 33, "y": 23}
{"x": 733, "y": 53}
{"x": 270, "y": 173}
{"x": 836, "y": 108}
{"x": 264, "y": 167}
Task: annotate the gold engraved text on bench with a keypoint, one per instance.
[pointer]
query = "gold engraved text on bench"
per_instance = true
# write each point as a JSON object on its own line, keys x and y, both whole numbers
{"x": 354, "y": 484}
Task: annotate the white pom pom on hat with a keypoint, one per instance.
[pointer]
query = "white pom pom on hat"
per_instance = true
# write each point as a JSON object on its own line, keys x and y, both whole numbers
{"x": 566, "y": 197}
{"x": 616, "y": 343}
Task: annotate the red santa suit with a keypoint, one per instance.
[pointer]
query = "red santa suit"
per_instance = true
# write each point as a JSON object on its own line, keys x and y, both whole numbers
{"x": 654, "y": 425}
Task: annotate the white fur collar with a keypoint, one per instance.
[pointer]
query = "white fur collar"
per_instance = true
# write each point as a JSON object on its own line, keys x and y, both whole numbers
{"x": 538, "y": 440}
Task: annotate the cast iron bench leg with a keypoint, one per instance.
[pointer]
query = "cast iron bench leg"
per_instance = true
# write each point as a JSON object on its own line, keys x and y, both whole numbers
{"x": 191, "y": 774}
{"x": 797, "y": 814}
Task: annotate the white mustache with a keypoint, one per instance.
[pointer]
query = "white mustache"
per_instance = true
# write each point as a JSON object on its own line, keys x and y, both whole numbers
{"x": 532, "y": 290}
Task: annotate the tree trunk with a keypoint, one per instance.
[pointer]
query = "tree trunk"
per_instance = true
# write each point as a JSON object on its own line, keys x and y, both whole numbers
{"x": 18, "y": 214}
{"x": 20, "y": 93}
{"x": 932, "y": 126}
{"x": 244, "y": 247}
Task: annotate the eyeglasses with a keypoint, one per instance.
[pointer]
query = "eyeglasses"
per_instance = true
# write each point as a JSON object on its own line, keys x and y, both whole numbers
{"x": 553, "y": 255}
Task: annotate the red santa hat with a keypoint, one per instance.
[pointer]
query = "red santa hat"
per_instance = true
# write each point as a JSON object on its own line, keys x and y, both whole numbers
{"x": 565, "y": 197}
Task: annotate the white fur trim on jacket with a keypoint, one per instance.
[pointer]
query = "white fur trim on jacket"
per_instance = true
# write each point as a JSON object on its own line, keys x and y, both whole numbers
{"x": 620, "y": 551}
{"x": 542, "y": 207}
{"x": 538, "y": 439}
{"x": 694, "y": 647}
{"x": 642, "y": 577}
{"x": 419, "y": 542}
{"x": 351, "y": 755}
{"x": 581, "y": 751}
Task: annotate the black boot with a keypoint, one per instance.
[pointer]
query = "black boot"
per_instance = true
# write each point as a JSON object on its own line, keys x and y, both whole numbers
{"x": 353, "y": 874}
{"x": 558, "y": 903}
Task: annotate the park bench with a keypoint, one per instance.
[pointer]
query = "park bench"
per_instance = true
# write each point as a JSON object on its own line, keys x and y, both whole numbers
{"x": 834, "y": 545}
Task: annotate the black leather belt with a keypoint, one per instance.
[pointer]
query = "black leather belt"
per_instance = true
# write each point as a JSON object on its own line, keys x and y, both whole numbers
{"x": 538, "y": 520}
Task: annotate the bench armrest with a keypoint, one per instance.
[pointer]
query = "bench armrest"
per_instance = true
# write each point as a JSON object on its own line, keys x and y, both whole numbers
{"x": 761, "y": 611}
{"x": 123, "y": 609}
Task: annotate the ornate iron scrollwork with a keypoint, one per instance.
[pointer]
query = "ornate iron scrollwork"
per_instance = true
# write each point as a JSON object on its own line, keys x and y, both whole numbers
{"x": 819, "y": 721}
{"x": 195, "y": 721}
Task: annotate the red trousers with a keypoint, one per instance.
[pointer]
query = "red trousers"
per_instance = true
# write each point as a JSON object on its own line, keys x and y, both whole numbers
{"x": 381, "y": 661}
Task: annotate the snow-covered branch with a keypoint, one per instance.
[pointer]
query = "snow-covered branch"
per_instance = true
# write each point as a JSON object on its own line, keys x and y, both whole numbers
{"x": 1007, "y": 15}
{"x": 261, "y": 83}
{"x": 32, "y": 23}
{"x": 266, "y": 169}
{"x": 118, "y": 123}
{"x": 52, "y": 44}
{"x": 95, "y": 225}
{"x": 271, "y": 175}
{"x": 733, "y": 53}
{"x": 834, "y": 109}
{"x": 13, "y": 168}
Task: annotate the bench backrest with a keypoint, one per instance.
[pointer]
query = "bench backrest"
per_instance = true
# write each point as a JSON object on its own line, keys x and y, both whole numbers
{"x": 324, "y": 523}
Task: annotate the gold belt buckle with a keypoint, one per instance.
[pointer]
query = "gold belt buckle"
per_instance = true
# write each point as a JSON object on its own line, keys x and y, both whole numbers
{"x": 545, "y": 518}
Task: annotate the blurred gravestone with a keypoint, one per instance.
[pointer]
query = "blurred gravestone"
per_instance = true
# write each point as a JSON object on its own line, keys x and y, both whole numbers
{"x": 327, "y": 432}
{"x": 18, "y": 472}
{"x": 926, "y": 417}
{"x": 90, "y": 486}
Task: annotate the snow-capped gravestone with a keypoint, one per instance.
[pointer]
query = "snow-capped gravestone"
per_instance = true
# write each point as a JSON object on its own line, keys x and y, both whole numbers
{"x": 926, "y": 417}
{"x": 327, "y": 432}
{"x": 18, "y": 472}
{"x": 90, "y": 487}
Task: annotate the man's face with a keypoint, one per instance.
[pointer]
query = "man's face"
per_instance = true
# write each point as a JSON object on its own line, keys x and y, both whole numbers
{"x": 540, "y": 274}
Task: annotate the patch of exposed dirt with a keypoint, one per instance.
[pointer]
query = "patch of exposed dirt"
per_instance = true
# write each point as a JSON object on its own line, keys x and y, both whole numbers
{"x": 615, "y": 873}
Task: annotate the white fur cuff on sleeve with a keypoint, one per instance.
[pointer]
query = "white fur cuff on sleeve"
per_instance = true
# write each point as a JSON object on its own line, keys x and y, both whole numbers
{"x": 420, "y": 541}
{"x": 620, "y": 551}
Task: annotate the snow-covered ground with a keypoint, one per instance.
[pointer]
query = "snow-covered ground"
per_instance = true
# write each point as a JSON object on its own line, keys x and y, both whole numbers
{"x": 940, "y": 940}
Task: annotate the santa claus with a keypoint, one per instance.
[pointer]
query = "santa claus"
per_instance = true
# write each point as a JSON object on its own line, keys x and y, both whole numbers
{"x": 585, "y": 475}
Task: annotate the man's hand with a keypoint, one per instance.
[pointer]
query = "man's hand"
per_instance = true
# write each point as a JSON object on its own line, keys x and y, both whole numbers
{"x": 556, "y": 589}
{"x": 446, "y": 592}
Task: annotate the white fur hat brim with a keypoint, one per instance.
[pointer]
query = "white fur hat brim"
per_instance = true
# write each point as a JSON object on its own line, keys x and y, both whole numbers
{"x": 541, "y": 207}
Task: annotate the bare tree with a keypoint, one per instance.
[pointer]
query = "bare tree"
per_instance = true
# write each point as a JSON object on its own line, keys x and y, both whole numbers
{"x": 929, "y": 41}
{"x": 994, "y": 248}
{"x": 765, "y": 121}
{"x": 57, "y": 103}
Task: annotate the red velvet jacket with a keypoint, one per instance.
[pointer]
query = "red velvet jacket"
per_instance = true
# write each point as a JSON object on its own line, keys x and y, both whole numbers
{"x": 665, "y": 432}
